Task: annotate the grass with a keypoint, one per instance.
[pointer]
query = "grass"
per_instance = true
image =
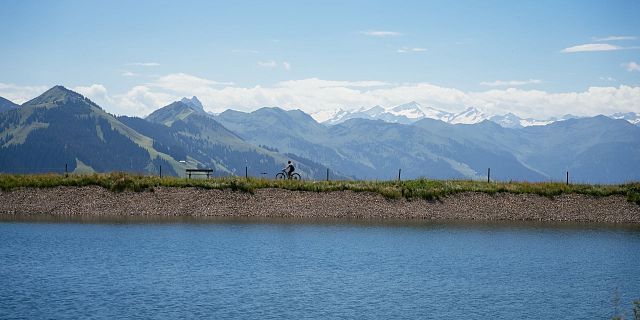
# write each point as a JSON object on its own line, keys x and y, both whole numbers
{"x": 410, "y": 189}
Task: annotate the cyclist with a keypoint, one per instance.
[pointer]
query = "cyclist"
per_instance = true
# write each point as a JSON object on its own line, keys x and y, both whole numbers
{"x": 289, "y": 169}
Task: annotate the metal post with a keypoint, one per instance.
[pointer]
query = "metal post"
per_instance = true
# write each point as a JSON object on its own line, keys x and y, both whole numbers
{"x": 567, "y": 177}
{"x": 399, "y": 172}
{"x": 246, "y": 172}
{"x": 160, "y": 171}
{"x": 327, "y": 174}
{"x": 66, "y": 170}
{"x": 488, "y": 175}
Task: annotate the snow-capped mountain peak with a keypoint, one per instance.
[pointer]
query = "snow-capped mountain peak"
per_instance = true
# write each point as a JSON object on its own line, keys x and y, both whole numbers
{"x": 632, "y": 117}
{"x": 375, "y": 111}
{"x": 411, "y": 112}
{"x": 328, "y": 115}
{"x": 469, "y": 116}
{"x": 508, "y": 120}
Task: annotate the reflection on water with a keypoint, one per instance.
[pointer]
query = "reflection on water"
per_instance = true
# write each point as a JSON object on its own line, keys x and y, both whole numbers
{"x": 182, "y": 267}
{"x": 405, "y": 223}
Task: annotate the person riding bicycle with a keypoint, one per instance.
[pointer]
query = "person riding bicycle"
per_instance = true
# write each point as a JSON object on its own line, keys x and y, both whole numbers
{"x": 289, "y": 169}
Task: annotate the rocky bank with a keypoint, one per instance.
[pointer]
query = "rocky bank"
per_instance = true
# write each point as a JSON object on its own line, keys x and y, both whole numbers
{"x": 163, "y": 201}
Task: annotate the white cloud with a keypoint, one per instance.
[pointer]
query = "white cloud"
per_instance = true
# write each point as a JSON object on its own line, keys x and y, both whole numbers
{"x": 94, "y": 90}
{"x": 20, "y": 94}
{"x": 129, "y": 74}
{"x": 286, "y": 65}
{"x": 378, "y": 33}
{"x": 607, "y": 78}
{"x": 511, "y": 83}
{"x": 313, "y": 95}
{"x": 615, "y": 38}
{"x": 268, "y": 64}
{"x": 98, "y": 94}
{"x": 589, "y": 47}
{"x": 409, "y": 50}
{"x": 631, "y": 66}
{"x": 143, "y": 64}
{"x": 141, "y": 100}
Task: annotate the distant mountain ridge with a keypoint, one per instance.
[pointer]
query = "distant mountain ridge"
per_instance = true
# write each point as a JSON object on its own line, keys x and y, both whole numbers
{"x": 376, "y": 149}
{"x": 411, "y": 112}
{"x": 208, "y": 143}
{"x": 61, "y": 127}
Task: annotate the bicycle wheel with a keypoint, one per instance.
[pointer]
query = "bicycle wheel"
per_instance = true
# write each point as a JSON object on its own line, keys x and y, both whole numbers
{"x": 280, "y": 176}
{"x": 296, "y": 176}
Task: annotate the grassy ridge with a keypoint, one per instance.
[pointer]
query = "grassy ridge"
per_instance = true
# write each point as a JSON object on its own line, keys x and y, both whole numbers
{"x": 410, "y": 189}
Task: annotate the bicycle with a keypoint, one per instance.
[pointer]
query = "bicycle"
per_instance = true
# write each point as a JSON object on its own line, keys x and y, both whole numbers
{"x": 283, "y": 175}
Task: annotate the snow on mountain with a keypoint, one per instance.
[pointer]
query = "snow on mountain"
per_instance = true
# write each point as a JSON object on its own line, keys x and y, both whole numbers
{"x": 632, "y": 117}
{"x": 327, "y": 115}
{"x": 470, "y": 115}
{"x": 508, "y": 120}
{"x": 511, "y": 120}
{"x": 433, "y": 113}
{"x": 375, "y": 113}
{"x": 533, "y": 122}
{"x": 405, "y": 113}
{"x": 411, "y": 112}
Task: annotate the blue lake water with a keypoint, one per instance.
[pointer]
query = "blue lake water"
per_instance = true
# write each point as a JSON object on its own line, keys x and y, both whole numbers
{"x": 300, "y": 269}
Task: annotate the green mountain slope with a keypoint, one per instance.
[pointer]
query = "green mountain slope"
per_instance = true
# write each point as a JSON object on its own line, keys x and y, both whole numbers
{"x": 373, "y": 149}
{"x": 62, "y": 127}
{"x": 6, "y": 105}
{"x": 207, "y": 143}
{"x": 595, "y": 150}
{"x": 291, "y": 132}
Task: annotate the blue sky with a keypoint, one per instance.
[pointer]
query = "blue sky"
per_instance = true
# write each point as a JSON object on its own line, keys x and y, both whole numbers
{"x": 502, "y": 56}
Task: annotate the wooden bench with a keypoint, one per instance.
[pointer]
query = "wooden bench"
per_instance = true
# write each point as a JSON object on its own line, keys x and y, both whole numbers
{"x": 208, "y": 172}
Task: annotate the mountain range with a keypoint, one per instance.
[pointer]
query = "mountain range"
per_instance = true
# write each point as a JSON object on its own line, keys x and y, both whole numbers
{"x": 411, "y": 112}
{"x": 62, "y": 127}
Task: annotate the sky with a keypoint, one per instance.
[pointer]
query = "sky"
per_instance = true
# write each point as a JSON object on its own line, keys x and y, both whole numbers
{"x": 532, "y": 58}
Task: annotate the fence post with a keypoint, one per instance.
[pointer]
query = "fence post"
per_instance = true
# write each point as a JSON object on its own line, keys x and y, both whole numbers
{"x": 327, "y": 174}
{"x": 567, "y": 177}
{"x": 399, "y": 172}
{"x": 160, "y": 171}
{"x": 66, "y": 170}
{"x": 488, "y": 175}
{"x": 246, "y": 172}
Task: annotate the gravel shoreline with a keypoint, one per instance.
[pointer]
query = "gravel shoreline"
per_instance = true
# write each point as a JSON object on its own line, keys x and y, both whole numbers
{"x": 164, "y": 201}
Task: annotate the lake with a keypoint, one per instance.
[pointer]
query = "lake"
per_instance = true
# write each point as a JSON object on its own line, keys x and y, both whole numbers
{"x": 298, "y": 269}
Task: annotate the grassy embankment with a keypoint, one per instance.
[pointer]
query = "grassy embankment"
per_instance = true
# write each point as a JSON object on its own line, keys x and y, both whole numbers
{"x": 410, "y": 189}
